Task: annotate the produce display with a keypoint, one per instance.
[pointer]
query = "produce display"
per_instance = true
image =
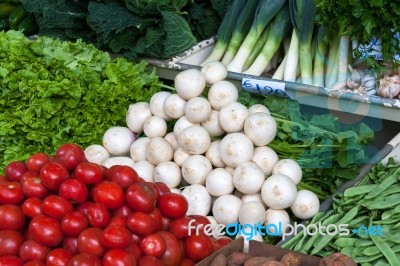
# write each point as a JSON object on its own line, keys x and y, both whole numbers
{"x": 63, "y": 210}
{"x": 311, "y": 42}
{"x": 13, "y": 16}
{"x": 373, "y": 202}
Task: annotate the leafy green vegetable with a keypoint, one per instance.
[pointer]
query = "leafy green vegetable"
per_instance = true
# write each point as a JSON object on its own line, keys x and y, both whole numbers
{"x": 340, "y": 149}
{"x": 133, "y": 28}
{"x": 53, "y": 92}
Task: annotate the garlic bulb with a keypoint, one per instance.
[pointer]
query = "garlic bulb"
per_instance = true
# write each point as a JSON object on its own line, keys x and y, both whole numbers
{"x": 368, "y": 82}
{"x": 389, "y": 87}
{"x": 353, "y": 79}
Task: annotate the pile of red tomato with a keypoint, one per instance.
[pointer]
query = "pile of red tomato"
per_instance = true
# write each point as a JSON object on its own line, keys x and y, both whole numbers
{"x": 63, "y": 210}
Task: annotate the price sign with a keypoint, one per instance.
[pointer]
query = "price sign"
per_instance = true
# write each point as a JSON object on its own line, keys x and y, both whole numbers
{"x": 264, "y": 87}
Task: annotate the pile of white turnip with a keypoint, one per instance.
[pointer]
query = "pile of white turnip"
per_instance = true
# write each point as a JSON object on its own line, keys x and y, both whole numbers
{"x": 216, "y": 156}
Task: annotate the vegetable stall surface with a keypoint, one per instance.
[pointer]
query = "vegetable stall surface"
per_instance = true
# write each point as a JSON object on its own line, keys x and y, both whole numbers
{"x": 55, "y": 92}
{"x": 63, "y": 210}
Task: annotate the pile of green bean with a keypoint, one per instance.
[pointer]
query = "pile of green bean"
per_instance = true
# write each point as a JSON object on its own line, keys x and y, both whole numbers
{"x": 375, "y": 201}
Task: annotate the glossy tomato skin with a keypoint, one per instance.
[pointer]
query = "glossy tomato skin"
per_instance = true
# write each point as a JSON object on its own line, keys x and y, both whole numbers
{"x": 32, "y": 207}
{"x": 155, "y": 188}
{"x": 89, "y": 242}
{"x": 118, "y": 220}
{"x": 98, "y": 215}
{"x": 58, "y": 256}
{"x": 11, "y": 260}
{"x": 115, "y": 236}
{"x": 216, "y": 244}
{"x": 46, "y": 230}
{"x": 85, "y": 259}
{"x": 10, "y": 242}
{"x": 11, "y": 217}
{"x": 15, "y": 170}
{"x": 122, "y": 175}
{"x": 141, "y": 223}
{"x": 162, "y": 187}
{"x": 11, "y": 193}
{"x": 180, "y": 227}
{"x": 140, "y": 197}
{"x": 150, "y": 261}
{"x": 70, "y": 155}
{"x": 118, "y": 257}
{"x": 172, "y": 205}
{"x": 36, "y": 161}
{"x": 74, "y": 190}
{"x": 187, "y": 262}
{"x": 198, "y": 247}
{"x": 73, "y": 223}
{"x": 34, "y": 263}
{"x": 33, "y": 187}
{"x": 108, "y": 193}
{"x": 157, "y": 217}
{"x": 153, "y": 245}
{"x": 224, "y": 240}
{"x": 173, "y": 255}
{"x": 166, "y": 222}
{"x": 71, "y": 244}
{"x": 56, "y": 207}
{"x": 53, "y": 174}
{"x": 124, "y": 210}
{"x": 89, "y": 173}
{"x": 32, "y": 250}
{"x": 134, "y": 249}
{"x": 200, "y": 221}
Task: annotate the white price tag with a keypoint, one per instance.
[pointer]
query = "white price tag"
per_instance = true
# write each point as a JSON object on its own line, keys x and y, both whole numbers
{"x": 264, "y": 87}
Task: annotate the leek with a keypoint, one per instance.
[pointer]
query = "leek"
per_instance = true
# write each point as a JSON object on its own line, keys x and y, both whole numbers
{"x": 319, "y": 58}
{"x": 257, "y": 48}
{"x": 331, "y": 63}
{"x": 281, "y": 68}
{"x": 280, "y": 27}
{"x": 224, "y": 33}
{"x": 240, "y": 29}
{"x": 266, "y": 11}
{"x": 344, "y": 44}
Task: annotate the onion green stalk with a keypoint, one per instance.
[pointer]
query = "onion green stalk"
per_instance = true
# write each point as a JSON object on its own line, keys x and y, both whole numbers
{"x": 224, "y": 33}
{"x": 331, "y": 63}
{"x": 280, "y": 27}
{"x": 319, "y": 58}
{"x": 302, "y": 14}
{"x": 281, "y": 68}
{"x": 292, "y": 64}
{"x": 266, "y": 11}
{"x": 257, "y": 48}
{"x": 240, "y": 29}
{"x": 344, "y": 44}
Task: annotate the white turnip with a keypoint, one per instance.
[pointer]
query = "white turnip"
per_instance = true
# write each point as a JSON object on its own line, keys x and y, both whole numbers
{"x": 157, "y": 104}
{"x": 159, "y": 150}
{"x": 189, "y": 83}
{"x": 261, "y": 128}
{"x": 232, "y": 117}
{"x": 290, "y": 168}
{"x": 174, "y": 106}
{"x": 155, "y": 126}
{"x": 278, "y": 192}
{"x": 236, "y": 148}
{"x": 306, "y": 204}
{"x": 199, "y": 200}
{"x": 222, "y": 93}
{"x": 248, "y": 178}
{"x": 219, "y": 182}
{"x": 214, "y": 71}
{"x": 265, "y": 158}
{"x": 197, "y": 110}
{"x": 194, "y": 140}
{"x": 96, "y": 153}
{"x": 118, "y": 140}
{"x": 168, "y": 173}
{"x": 195, "y": 169}
{"x": 136, "y": 115}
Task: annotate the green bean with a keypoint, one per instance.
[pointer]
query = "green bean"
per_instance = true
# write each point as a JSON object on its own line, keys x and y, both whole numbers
{"x": 347, "y": 251}
{"x": 345, "y": 242}
{"x": 383, "y": 186}
{"x": 359, "y": 221}
{"x": 300, "y": 244}
{"x": 371, "y": 251}
{"x": 359, "y": 190}
{"x": 393, "y": 220}
{"x": 384, "y": 203}
{"x": 320, "y": 216}
{"x": 397, "y": 209}
{"x": 364, "y": 242}
{"x": 386, "y": 250}
{"x": 326, "y": 239}
{"x": 289, "y": 244}
{"x": 387, "y": 214}
{"x": 382, "y": 262}
{"x": 391, "y": 190}
{"x": 357, "y": 251}
{"x": 363, "y": 259}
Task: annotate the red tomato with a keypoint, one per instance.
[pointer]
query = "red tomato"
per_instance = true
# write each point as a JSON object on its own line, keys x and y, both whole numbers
{"x": 216, "y": 244}
{"x": 117, "y": 220}
{"x": 124, "y": 210}
{"x": 33, "y": 187}
{"x": 118, "y": 257}
{"x": 58, "y": 256}
{"x": 187, "y": 262}
{"x": 198, "y": 247}
{"x": 108, "y": 193}
{"x": 116, "y": 237}
{"x": 14, "y": 170}
{"x": 10, "y": 242}
{"x": 140, "y": 197}
{"x": 84, "y": 207}
{"x": 11, "y": 193}
{"x": 201, "y": 221}
{"x": 3, "y": 178}
{"x": 11, "y": 217}
{"x": 52, "y": 175}
{"x": 56, "y": 207}
{"x": 150, "y": 261}
{"x": 122, "y": 175}
{"x": 156, "y": 215}
{"x": 153, "y": 245}
{"x": 98, "y": 215}
{"x": 134, "y": 249}
{"x": 73, "y": 223}
{"x": 141, "y": 223}
{"x": 172, "y": 205}
{"x": 224, "y": 240}
{"x": 85, "y": 259}
{"x": 70, "y": 155}
{"x": 136, "y": 238}
{"x": 10, "y": 260}
{"x": 74, "y": 190}
{"x": 34, "y": 263}
{"x": 162, "y": 187}
{"x": 173, "y": 254}
{"x": 89, "y": 242}
{"x": 46, "y": 230}
{"x": 28, "y": 174}
{"x": 89, "y": 173}
{"x": 32, "y": 250}
{"x": 36, "y": 161}
{"x": 180, "y": 227}
{"x": 32, "y": 207}
{"x": 155, "y": 188}
{"x": 166, "y": 222}
{"x": 71, "y": 244}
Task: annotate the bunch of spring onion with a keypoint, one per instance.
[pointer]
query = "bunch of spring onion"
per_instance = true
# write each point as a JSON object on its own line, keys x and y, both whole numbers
{"x": 282, "y": 38}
